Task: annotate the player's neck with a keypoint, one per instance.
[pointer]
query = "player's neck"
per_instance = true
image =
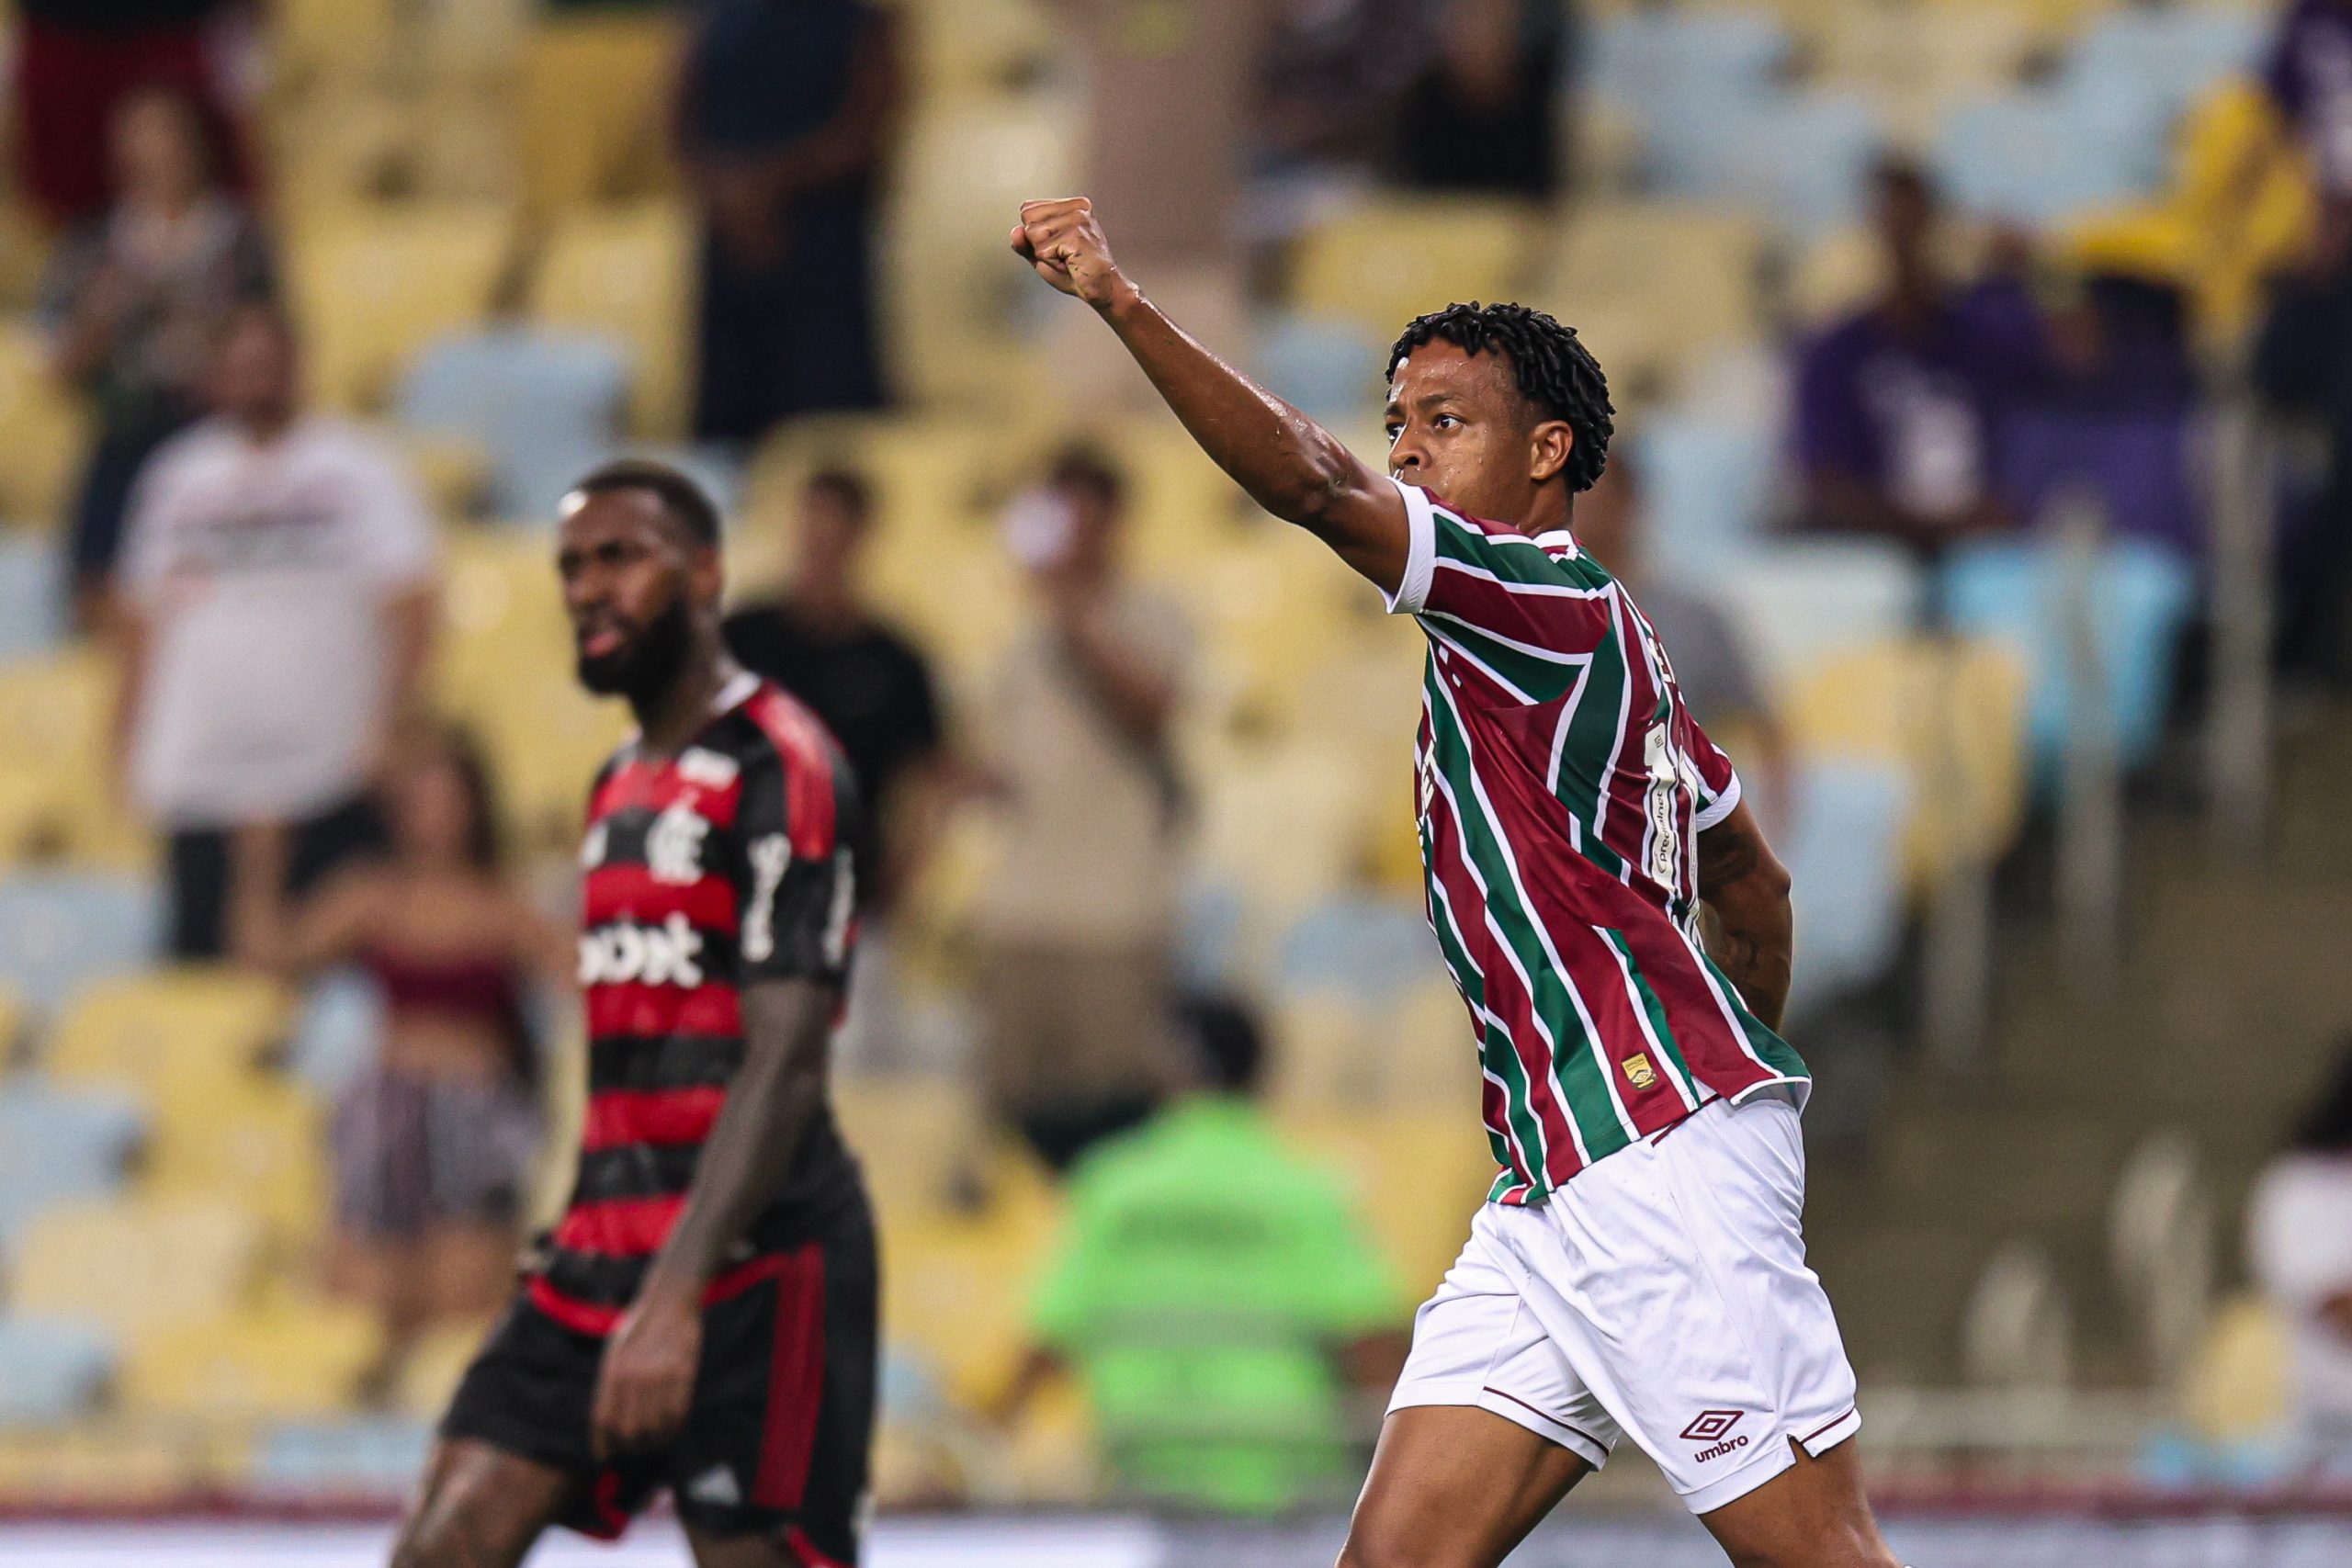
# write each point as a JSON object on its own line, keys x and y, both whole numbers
{"x": 676, "y": 713}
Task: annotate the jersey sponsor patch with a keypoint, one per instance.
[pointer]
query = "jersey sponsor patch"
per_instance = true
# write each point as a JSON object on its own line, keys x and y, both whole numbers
{"x": 674, "y": 847}
{"x": 626, "y": 953}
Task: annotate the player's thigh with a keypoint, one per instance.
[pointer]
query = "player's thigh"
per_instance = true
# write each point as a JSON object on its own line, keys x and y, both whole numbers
{"x": 740, "y": 1551}
{"x": 1813, "y": 1514}
{"x": 479, "y": 1507}
{"x": 1454, "y": 1486}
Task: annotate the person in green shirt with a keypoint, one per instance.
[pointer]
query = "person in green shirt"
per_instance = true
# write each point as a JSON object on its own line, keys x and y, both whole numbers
{"x": 1217, "y": 1301}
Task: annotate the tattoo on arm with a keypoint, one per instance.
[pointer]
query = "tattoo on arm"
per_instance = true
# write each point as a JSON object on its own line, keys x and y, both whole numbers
{"x": 1745, "y": 916}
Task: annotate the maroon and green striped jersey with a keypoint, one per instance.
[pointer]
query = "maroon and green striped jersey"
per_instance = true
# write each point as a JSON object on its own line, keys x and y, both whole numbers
{"x": 1563, "y": 786}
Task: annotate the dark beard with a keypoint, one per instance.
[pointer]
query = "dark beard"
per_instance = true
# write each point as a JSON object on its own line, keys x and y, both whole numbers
{"x": 645, "y": 667}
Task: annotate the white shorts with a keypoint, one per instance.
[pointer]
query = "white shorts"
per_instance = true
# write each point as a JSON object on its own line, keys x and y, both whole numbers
{"x": 1660, "y": 1293}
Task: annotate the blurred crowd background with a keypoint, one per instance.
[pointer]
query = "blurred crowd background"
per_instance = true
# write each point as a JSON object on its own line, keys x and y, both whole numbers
{"x": 1985, "y": 378}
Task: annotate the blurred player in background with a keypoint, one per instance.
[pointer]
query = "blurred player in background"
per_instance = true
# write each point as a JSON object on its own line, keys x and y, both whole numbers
{"x": 703, "y": 1318}
{"x": 1639, "y": 1266}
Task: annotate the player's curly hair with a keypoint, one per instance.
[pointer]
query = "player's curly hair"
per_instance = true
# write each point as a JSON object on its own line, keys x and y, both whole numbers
{"x": 1555, "y": 372}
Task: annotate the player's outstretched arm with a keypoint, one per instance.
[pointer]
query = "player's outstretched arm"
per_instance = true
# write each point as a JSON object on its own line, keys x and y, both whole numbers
{"x": 646, "y": 1382}
{"x": 1751, "y": 930}
{"x": 1290, "y": 466}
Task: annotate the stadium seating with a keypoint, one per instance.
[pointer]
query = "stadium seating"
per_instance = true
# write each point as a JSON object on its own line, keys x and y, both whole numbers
{"x": 1708, "y": 485}
{"x": 1369, "y": 950}
{"x": 41, "y": 432}
{"x": 545, "y": 406}
{"x": 168, "y": 1032}
{"x": 1396, "y": 257}
{"x": 1685, "y": 74}
{"x": 1797, "y": 161}
{"x": 51, "y": 1371}
{"x": 960, "y": 1300}
{"x": 1805, "y": 601}
{"x": 2035, "y": 157}
{"x": 137, "y": 1265}
{"x": 59, "y": 1142}
{"x": 61, "y": 930}
{"x": 1327, "y": 368}
{"x": 363, "y": 1456}
{"x": 2139, "y": 597}
{"x": 31, "y": 597}
{"x": 292, "y": 1360}
{"x": 593, "y": 102}
{"x": 369, "y": 283}
{"x": 263, "y": 1138}
{"x": 628, "y": 273}
{"x": 1652, "y": 285}
{"x": 1844, "y": 849}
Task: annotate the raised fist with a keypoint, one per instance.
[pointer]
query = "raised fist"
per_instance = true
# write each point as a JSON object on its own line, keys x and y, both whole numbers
{"x": 1063, "y": 243}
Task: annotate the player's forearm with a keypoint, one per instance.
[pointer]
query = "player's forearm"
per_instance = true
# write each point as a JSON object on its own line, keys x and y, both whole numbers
{"x": 752, "y": 1147}
{"x": 1287, "y": 463}
{"x": 1750, "y": 923}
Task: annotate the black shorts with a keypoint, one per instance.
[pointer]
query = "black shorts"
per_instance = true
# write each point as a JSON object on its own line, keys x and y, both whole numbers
{"x": 775, "y": 1443}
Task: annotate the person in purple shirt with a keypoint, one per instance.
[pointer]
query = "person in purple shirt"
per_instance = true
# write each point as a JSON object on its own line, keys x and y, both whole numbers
{"x": 2309, "y": 76}
{"x": 1899, "y": 406}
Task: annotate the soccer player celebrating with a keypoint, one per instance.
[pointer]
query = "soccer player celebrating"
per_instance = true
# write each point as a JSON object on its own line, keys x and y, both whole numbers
{"x": 703, "y": 1318}
{"x": 1638, "y": 1269}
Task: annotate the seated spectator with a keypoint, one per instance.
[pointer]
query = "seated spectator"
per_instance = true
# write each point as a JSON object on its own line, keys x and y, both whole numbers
{"x": 1483, "y": 112}
{"x": 1217, "y": 1298}
{"x": 1899, "y": 406}
{"x": 131, "y": 300}
{"x": 1713, "y": 664}
{"x": 2299, "y": 1242}
{"x": 787, "y": 118}
{"x": 1075, "y": 737}
{"x": 276, "y": 602}
{"x": 434, "y": 1143}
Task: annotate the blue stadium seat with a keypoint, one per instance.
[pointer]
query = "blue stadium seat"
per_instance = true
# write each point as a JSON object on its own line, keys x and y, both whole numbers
{"x": 59, "y": 929}
{"x": 1801, "y": 601}
{"x": 61, "y": 1143}
{"x": 1684, "y": 77}
{"x": 1370, "y": 950}
{"x": 1328, "y": 368}
{"x": 2040, "y": 157}
{"x": 365, "y": 1456}
{"x": 31, "y": 621}
{"x": 51, "y": 1369}
{"x": 2167, "y": 56}
{"x": 1845, "y": 849}
{"x": 1799, "y": 160}
{"x": 1709, "y": 484}
{"x": 545, "y": 404}
{"x": 2140, "y": 597}
{"x": 338, "y": 1034}
{"x": 1208, "y": 937}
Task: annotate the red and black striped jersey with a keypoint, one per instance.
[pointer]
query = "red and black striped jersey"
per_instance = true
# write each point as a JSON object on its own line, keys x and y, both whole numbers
{"x": 704, "y": 872}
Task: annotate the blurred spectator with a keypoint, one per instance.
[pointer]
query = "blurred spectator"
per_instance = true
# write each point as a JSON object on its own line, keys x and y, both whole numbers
{"x": 1898, "y": 407}
{"x": 821, "y": 639}
{"x": 132, "y": 299}
{"x": 788, "y": 114}
{"x": 1713, "y": 664}
{"x": 1332, "y": 75}
{"x": 434, "y": 1143}
{"x": 277, "y": 583}
{"x": 1217, "y": 1297}
{"x": 78, "y": 60}
{"x": 1076, "y": 923}
{"x": 2309, "y": 75}
{"x": 1483, "y": 113}
{"x": 2299, "y": 1245}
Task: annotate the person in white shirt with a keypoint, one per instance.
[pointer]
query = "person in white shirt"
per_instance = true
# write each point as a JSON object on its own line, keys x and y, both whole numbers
{"x": 2299, "y": 1242}
{"x": 276, "y": 588}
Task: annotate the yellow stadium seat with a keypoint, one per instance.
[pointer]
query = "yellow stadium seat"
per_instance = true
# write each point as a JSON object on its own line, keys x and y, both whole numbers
{"x": 287, "y": 1360}
{"x": 1648, "y": 284}
{"x": 334, "y": 37}
{"x": 121, "y": 1461}
{"x": 1917, "y": 63}
{"x": 1418, "y": 1176}
{"x": 594, "y": 99}
{"x": 959, "y": 1291}
{"x": 978, "y": 48}
{"x": 628, "y": 273}
{"x": 2235, "y": 1387}
{"x": 920, "y": 1138}
{"x": 55, "y": 796}
{"x": 1399, "y": 257}
{"x": 1286, "y": 823}
{"x": 25, "y": 245}
{"x": 139, "y": 1265}
{"x": 260, "y": 1139}
{"x": 1951, "y": 713}
{"x": 170, "y": 1033}
{"x": 43, "y": 432}
{"x": 374, "y": 284}
{"x": 429, "y": 1373}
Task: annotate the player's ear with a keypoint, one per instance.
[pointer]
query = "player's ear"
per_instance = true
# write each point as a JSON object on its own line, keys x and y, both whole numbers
{"x": 706, "y": 574}
{"x": 1549, "y": 446}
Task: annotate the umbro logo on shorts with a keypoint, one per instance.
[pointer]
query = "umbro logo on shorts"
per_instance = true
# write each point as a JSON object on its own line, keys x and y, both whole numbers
{"x": 1713, "y": 1428}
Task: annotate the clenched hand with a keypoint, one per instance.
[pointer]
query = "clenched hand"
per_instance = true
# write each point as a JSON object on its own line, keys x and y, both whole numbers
{"x": 1063, "y": 243}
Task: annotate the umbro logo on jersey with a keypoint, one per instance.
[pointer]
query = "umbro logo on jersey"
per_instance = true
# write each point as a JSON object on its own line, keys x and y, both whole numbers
{"x": 673, "y": 845}
{"x": 666, "y": 954}
{"x": 1714, "y": 1427}
{"x": 716, "y": 1485}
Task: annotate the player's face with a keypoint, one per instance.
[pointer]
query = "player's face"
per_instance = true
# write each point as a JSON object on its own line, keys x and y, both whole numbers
{"x": 632, "y": 583}
{"x": 1459, "y": 429}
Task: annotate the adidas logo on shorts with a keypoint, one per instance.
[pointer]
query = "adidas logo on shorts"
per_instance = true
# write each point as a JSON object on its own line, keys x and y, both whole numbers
{"x": 715, "y": 1487}
{"x": 1713, "y": 1429}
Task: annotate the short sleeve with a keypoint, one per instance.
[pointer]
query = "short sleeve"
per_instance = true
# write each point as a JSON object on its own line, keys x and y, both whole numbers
{"x": 150, "y": 523}
{"x": 1718, "y": 780}
{"x": 395, "y": 527}
{"x": 797, "y": 890}
{"x": 1526, "y": 617}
